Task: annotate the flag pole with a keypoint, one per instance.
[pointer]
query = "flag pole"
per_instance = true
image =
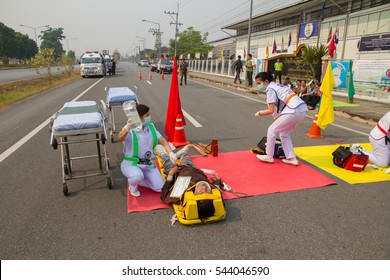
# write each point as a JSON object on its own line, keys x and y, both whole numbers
{"x": 298, "y": 29}
{"x": 319, "y": 32}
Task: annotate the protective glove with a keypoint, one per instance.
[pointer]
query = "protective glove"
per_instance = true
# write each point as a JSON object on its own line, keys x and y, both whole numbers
{"x": 129, "y": 125}
{"x": 172, "y": 157}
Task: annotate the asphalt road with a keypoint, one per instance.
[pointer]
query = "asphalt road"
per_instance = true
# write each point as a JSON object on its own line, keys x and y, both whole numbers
{"x": 12, "y": 75}
{"x": 38, "y": 222}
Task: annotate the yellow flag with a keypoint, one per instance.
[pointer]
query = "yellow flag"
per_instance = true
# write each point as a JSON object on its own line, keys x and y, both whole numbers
{"x": 266, "y": 52}
{"x": 326, "y": 113}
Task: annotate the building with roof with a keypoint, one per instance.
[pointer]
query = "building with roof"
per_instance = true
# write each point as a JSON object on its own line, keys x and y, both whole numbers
{"x": 361, "y": 29}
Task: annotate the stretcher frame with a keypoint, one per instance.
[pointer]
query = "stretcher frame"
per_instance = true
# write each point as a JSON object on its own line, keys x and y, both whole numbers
{"x": 111, "y": 107}
{"x": 76, "y": 136}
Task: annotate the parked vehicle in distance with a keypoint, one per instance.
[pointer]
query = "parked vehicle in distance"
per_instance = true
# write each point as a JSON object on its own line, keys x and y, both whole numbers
{"x": 92, "y": 64}
{"x": 153, "y": 65}
{"x": 144, "y": 63}
{"x": 164, "y": 65}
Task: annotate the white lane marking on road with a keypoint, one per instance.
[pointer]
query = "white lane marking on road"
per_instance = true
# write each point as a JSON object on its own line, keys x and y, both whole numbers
{"x": 22, "y": 141}
{"x": 149, "y": 82}
{"x": 259, "y": 101}
{"x": 191, "y": 119}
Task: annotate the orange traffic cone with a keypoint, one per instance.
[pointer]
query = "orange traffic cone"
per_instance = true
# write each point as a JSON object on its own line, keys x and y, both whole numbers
{"x": 150, "y": 75}
{"x": 162, "y": 75}
{"x": 139, "y": 75}
{"x": 315, "y": 131}
{"x": 179, "y": 137}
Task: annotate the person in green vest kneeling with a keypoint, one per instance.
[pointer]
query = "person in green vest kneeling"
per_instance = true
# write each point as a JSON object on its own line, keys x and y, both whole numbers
{"x": 139, "y": 143}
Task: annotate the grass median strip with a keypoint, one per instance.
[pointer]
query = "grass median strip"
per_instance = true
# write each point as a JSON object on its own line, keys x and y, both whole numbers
{"x": 16, "y": 91}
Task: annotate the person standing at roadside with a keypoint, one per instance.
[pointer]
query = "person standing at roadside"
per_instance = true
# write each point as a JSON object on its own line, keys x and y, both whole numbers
{"x": 278, "y": 70}
{"x": 237, "y": 67}
{"x": 249, "y": 70}
{"x": 183, "y": 71}
{"x": 113, "y": 66}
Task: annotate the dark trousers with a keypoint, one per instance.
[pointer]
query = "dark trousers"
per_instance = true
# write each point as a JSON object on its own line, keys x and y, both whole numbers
{"x": 237, "y": 77}
{"x": 249, "y": 77}
{"x": 278, "y": 74}
{"x": 183, "y": 75}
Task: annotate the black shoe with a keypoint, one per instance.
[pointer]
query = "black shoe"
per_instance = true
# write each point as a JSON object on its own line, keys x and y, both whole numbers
{"x": 181, "y": 84}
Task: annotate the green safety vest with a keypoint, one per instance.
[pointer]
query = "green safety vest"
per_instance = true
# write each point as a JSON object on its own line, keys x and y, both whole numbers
{"x": 278, "y": 66}
{"x": 250, "y": 64}
{"x": 134, "y": 159}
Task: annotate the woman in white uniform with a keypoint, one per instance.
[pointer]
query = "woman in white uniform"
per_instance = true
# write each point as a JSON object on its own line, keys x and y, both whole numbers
{"x": 380, "y": 142}
{"x": 287, "y": 110}
{"x": 139, "y": 145}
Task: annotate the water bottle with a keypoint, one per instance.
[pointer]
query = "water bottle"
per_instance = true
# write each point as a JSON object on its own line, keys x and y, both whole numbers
{"x": 130, "y": 108}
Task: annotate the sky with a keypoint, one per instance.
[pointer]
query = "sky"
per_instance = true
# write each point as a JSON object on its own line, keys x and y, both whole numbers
{"x": 117, "y": 24}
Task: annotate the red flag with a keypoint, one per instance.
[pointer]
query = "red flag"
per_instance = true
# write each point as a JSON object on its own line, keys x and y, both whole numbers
{"x": 274, "y": 46}
{"x": 282, "y": 43}
{"x": 332, "y": 47}
{"x": 174, "y": 105}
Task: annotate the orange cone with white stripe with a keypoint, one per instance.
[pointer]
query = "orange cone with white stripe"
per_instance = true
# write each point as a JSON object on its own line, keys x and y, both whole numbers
{"x": 162, "y": 75}
{"x": 150, "y": 75}
{"x": 179, "y": 137}
{"x": 139, "y": 75}
{"x": 315, "y": 131}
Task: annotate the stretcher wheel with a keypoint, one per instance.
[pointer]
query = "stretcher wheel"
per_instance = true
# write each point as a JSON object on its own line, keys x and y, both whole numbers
{"x": 109, "y": 183}
{"x": 55, "y": 144}
{"x": 103, "y": 138}
{"x": 65, "y": 189}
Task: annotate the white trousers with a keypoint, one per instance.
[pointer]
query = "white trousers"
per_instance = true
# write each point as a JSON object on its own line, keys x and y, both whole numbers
{"x": 144, "y": 175}
{"x": 282, "y": 127}
{"x": 380, "y": 154}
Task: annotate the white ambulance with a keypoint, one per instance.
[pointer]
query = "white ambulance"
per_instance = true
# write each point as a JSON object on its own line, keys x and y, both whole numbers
{"x": 92, "y": 64}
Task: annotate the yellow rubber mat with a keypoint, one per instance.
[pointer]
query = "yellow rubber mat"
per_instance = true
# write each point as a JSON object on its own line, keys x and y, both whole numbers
{"x": 321, "y": 156}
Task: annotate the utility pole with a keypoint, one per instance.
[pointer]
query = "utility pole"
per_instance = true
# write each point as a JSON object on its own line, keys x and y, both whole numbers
{"x": 158, "y": 33}
{"x": 249, "y": 28}
{"x": 176, "y": 23}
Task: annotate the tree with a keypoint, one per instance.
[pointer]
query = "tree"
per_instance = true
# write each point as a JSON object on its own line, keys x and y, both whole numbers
{"x": 67, "y": 63}
{"x": 15, "y": 45}
{"x": 311, "y": 56}
{"x": 190, "y": 41}
{"x": 51, "y": 39}
{"x": 72, "y": 55}
{"x": 44, "y": 60}
{"x": 116, "y": 55}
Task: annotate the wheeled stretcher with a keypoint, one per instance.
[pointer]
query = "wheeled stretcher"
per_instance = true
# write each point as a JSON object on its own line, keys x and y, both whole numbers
{"x": 116, "y": 96}
{"x": 80, "y": 122}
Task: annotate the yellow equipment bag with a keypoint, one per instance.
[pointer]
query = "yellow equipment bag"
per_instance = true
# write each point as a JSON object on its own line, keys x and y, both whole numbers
{"x": 187, "y": 210}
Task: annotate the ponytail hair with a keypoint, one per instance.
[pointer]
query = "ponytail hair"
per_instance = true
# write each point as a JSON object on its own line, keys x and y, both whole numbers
{"x": 265, "y": 76}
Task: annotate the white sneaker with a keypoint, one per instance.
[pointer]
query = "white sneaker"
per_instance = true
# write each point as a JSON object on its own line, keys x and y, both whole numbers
{"x": 134, "y": 191}
{"x": 159, "y": 150}
{"x": 265, "y": 158}
{"x": 292, "y": 161}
